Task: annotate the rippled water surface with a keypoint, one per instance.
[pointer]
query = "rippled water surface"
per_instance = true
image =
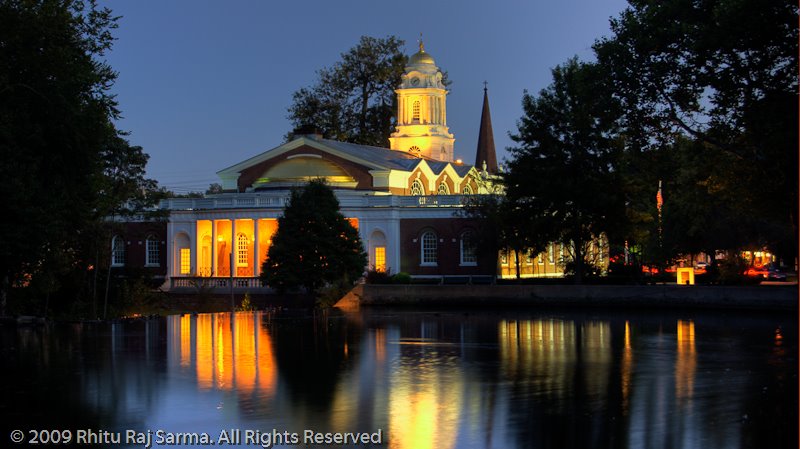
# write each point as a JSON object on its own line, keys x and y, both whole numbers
{"x": 465, "y": 379}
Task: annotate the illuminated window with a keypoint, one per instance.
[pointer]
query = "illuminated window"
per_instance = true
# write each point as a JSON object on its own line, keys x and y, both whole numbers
{"x": 469, "y": 254}
{"x": 429, "y": 248}
{"x": 504, "y": 257}
{"x": 467, "y": 190}
{"x": 443, "y": 189}
{"x": 186, "y": 260}
{"x": 380, "y": 258}
{"x": 551, "y": 253}
{"x": 415, "y": 111}
{"x": 529, "y": 258}
{"x": 540, "y": 259}
{"x": 151, "y": 249}
{"x": 242, "y": 244}
{"x": 416, "y": 188}
{"x": 117, "y": 251}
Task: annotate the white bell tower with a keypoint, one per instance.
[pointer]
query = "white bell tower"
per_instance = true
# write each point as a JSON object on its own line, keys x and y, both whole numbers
{"x": 422, "y": 111}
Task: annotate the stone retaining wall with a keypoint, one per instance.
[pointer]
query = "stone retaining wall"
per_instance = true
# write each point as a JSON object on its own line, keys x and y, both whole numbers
{"x": 756, "y": 297}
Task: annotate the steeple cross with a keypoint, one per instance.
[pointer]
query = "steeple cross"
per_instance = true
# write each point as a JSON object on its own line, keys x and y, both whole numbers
{"x": 484, "y": 85}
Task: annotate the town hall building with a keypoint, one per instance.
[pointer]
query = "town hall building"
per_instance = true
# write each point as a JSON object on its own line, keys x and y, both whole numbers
{"x": 404, "y": 200}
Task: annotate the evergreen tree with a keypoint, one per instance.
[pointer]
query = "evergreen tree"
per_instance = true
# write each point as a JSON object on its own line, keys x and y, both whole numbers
{"x": 314, "y": 245}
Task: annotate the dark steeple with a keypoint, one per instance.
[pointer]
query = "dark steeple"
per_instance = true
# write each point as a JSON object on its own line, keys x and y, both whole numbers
{"x": 486, "y": 152}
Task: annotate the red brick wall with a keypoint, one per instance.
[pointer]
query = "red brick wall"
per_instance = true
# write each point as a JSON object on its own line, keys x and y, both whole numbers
{"x": 134, "y": 235}
{"x": 448, "y": 232}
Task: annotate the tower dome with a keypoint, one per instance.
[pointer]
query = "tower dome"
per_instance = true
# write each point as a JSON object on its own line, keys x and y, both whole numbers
{"x": 421, "y": 57}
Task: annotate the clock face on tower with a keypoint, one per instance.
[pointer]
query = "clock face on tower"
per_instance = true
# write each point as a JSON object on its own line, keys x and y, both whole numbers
{"x": 414, "y": 81}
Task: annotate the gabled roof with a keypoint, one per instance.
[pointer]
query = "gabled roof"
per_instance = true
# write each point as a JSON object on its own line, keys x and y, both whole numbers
{"x": 376, "y": 158}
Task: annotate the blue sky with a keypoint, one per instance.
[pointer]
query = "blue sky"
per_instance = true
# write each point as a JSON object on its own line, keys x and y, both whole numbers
{"x": 206, "y": 84}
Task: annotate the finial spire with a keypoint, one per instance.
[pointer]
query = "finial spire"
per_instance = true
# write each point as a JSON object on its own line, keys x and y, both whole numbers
{"x": 421, "y": 44}
{"x": 485, "y": 84}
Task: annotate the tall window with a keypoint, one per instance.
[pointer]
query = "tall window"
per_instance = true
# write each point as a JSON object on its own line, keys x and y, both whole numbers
{"x": 242, "y": 244}
{"x": 415, "y": 111}
{"x": 504, "y": 257}
{"x": 469, "y": 254}
{"x": 467, "y": 190}
{"x": 151, "y": 250}
{"x": 186, "y": 260}
{"x": 443, "y": 189}
{"x": 380, "y": 258}
{"x": 117, "y": 251}
{"x": 540, "y": 259}
{"x": 416, "y": 188}
{"x": 429, "y": 248}
{"x": 551, "y": 254}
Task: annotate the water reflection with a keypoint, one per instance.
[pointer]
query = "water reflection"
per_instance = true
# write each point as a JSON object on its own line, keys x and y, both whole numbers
{"x": 428, "y": 380}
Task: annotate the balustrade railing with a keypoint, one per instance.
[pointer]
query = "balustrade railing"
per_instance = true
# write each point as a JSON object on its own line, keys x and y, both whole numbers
{"x": 210, "y": 283}
{"x": 278, "y": 201}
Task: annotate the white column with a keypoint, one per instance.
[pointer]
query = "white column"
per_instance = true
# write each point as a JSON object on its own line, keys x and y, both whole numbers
{"x": 170, "y": 250}
{"x": 214, "y": 270}
{"x": 256, "y": 248}
{"x": 234, "y": 248}
{"x": 193, "y": 249}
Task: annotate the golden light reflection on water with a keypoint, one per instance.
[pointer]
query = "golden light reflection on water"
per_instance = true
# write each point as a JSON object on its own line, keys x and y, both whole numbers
{"x": 686, "y": 363}
{"x": 546, "y": 348}
{"x": 626, "y": 369}
{"x": 230, "y": 351}
{"x": 425, "y": 399}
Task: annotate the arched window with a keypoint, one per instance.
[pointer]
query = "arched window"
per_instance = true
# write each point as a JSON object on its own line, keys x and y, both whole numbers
{"x": 467, "y": 190}
{"x": 117, "y": 251}
{"x": 242, "y": 245}
{"x": 152, "y": 258}
{"x": 428, "y": 247}
{"x": 415, "y": 111}
{"x": 551, "y": 254}
{"x": 443, "y": 189}
{"x": 469, "y": 253}
{"x": 416, "y": 188}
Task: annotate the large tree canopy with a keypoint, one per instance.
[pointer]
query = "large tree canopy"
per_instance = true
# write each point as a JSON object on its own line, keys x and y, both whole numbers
{"x": 353, "y": 101}
{"x": 314, "y": 245}
{"x": 724, "y": 74}
{"x": 64, "y": 165}
{"x": 563, "y": 174}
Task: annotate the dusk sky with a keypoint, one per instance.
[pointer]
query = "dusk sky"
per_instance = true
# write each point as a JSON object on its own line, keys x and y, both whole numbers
{"x": 206, "y": 84}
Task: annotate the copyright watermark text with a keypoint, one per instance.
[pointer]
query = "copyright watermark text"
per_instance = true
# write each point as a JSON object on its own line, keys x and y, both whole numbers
{"x": 227, "y": 437}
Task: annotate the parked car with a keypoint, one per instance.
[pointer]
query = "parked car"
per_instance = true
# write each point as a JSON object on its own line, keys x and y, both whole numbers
{"x": 769, "y": 272}
{"x": 774, "y": 273}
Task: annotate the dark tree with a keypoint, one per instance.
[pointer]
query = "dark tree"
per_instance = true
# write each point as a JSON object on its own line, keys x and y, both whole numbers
{"x": 562, "y": 176}
{"x": 353, "y": 101}
{"x": 64, "y": 165}
{"x": 722, "y": 73}
{"x": 314, "y": 245}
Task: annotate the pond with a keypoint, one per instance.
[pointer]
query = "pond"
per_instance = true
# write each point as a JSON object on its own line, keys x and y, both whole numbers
{"x": 407, "y": 379}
